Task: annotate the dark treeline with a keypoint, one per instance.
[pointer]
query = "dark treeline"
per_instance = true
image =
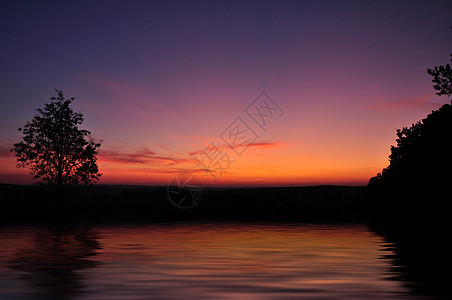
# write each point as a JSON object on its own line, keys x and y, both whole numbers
{"x": 323, "y": 203}
{"x": 312, "y": 203}
{"x": 19, "y": 203}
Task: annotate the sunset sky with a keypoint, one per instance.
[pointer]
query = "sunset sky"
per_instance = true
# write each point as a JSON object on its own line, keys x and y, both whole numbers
{"x": 161, "y": 82}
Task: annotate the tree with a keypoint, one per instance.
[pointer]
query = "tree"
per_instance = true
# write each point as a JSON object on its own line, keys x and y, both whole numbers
{"x": 55, "y": 150}
{"x": 420, "y": 164}
{"x": 421, "y": 160}
{"x": 442, "y": 78}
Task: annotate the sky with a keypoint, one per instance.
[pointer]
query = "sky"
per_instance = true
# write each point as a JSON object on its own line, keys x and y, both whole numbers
{"x": 238, "y": 93}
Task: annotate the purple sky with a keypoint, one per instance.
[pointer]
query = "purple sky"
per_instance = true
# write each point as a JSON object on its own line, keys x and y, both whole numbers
{"x": 160, "y": 80}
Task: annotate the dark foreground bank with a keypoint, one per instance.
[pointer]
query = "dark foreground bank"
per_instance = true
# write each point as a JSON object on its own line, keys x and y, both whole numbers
{"x": 146, "y": 203}
{"x": 143, "y": 202}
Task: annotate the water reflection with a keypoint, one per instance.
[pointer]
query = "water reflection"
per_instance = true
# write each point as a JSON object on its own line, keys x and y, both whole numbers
{"x": 49, "y": 266}
{"x": 420, "y": 257}
{"x": 243, "y": 261}
{"x": 203, "y": 261}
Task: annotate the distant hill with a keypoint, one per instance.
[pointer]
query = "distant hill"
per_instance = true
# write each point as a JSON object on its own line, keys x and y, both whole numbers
{"x": 115, "y": 202}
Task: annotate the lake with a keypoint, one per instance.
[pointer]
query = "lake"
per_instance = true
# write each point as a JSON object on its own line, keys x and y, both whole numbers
{"x": 204, "y": 260}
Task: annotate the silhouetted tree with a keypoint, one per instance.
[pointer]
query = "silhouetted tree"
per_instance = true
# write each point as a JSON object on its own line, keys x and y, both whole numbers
{"x": 442, "y": 78}
{"x": 421, "y": 162}
{"x": 422, "y": 156}
{"x": 55, "y": 149}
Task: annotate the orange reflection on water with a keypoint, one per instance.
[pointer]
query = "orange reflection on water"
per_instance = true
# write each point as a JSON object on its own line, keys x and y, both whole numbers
{"x": 197, "y": 261}
{"x": 246, "y": 261}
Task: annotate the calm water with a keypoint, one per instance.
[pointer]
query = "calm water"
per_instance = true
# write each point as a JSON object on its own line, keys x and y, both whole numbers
{"x": 198, "y": 261}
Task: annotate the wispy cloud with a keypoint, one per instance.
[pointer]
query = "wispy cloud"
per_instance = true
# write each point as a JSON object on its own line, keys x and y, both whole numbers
{"x": 5, "y": 148}
{"x": 5, "y": 151}
{"x": 140, "y": 156}
{"x": 261, "y": 145}
{"x": 413, "y": 102}
{"x": 173, "y": 170}
{"x": 164, "y": 147}
{"x": 125, "y": 97}
{"x": 210, "y": 173}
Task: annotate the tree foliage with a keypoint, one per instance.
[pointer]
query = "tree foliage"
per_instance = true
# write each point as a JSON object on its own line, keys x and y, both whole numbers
{"x": 422, "y": 159}
{"x": 442, "y": 79}
{"x": 420, "y": 163}
{"x": 54, "y": 149}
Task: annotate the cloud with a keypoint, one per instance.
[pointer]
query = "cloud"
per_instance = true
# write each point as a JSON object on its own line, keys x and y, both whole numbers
{"x": 164, "y": 147}
{"x": 263, "y": 145}
{"x": 124, "y": 97}
{"x": 140, "y": 156}
{"x": 16, "y": 178}
{"x": 5, "y": 149}
{"x": 413, "y": 102}
{"x": 216, "y": 174}
{"x": 173, "y": 170}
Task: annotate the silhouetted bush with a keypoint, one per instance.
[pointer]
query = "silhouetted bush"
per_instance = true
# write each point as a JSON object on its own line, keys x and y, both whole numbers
{"x": 419, "y": 176}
